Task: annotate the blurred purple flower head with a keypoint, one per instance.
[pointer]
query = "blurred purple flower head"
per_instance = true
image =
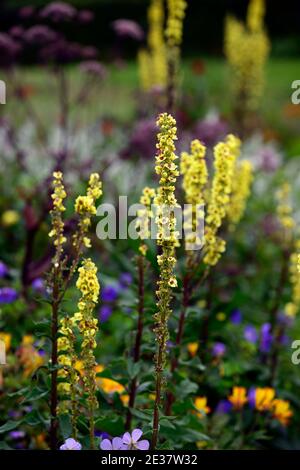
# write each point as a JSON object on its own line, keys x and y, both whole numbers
{"x": 89, "y": 52}
{"x": 26, "y": 12}
{"x": 125, "y": 280}
{"x": 93, "y": 67}
{"x": 109, "y": 294}
{"x": 8, "y": 295}
{"x": 9, "y": 50}
{"x": 211, "y": 129}
{"x": 269, "y": 158}
{"x": 218, "y": 349}
{"x": 115, "y": 444}
{"x": 250, "y": 334}
{"x": 142, "y": 141}
{"x": 224, "y": 406}
{"x": 105, "y": 313}
{"x": 236, "y": 317}
{"x": 251, "y": 397}
{"x": 17, "y": 434}
{"x": 58, "y": 11}
{"x": 70, "y": 444}
{"x": 128, "y": 28}
{"x": 3, "y": 270}
{"x": 38, "y": 285}
{"x": 62, "y": 52}
{"x": 17, "y": 32}
{"x": 132, "y": 441}
{"x": 266, "y": 338}
{"x": 85, "y": 16}
{"x": 40, "y": 35}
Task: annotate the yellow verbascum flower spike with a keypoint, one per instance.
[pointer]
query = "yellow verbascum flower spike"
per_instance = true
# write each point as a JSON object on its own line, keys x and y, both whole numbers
{"x": 241, "y": 189}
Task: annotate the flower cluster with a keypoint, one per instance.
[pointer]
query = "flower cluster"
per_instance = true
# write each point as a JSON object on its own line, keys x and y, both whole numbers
{"x": 226, "y": 154}
{"x": 153, "y": 62}
{"x": 292, "y": 308}
{"x": 247, "y": 49}
{"x": 85, "y": 208}
{"x": 176, "y": 14}
{"x": 284, "y": 212}
{"x": 263, "y": 400}
{"x": 195, "y": 177}
{"x": 57, "y": 231}
{"x": 144, "y": 216}
{"x": 241, "y": 187}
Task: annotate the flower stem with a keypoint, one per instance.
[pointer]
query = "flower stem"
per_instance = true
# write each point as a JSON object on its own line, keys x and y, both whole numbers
{"x": 54, "y": 363}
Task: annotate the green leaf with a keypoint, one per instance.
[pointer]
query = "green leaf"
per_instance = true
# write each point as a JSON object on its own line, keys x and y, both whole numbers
{"x": 9, "y": 426}
{"x": 65, "y": 425}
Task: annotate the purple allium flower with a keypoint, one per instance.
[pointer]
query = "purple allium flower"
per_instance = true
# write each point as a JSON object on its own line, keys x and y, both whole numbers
{"x": 251, "y": 397}
{"x": 85, "y": 16}
{"x": 115, "y": 444}
{"x": 58, "y": 11}
{"x": 17, "y": 434}
{"x": 38, "y": 285}
{"x": 236, "y": 317}
{"x": 109, "y": 294}
{"x": 250, "y": 334}
{"x": 266, "y": 338}
{"x": 218, "y": 349}
{"x": 93, "y": 67}
{"x": 128, "y": 28}
{"x": 70, "y": 444}
{"x": 142, "y": 140}
{"x": 3, "y": 270}
{"x": 40, "y": 35}
{"x": 132, "y": 440}
{"x": 105, "y": 313}
{"x": 8, "y": 295}
{"x": 211, "y": 129}
{"x": 224, "y": 406}
{"x": 125, "y": 280}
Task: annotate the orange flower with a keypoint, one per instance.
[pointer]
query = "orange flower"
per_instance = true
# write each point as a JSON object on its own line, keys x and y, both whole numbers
{"x": 108, "y": 385}
{"x": 238, "y": 397}
{"x": 192, "y": 348}
{"x": 201, "y": 404}
{"x": 264, "y": 398}
{"x": 281, "y": 411}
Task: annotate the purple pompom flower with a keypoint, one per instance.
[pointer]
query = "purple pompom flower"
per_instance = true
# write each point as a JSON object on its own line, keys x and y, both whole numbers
{"x": 266, "y": 338}
{"x": 93, "y": 67}
{"x": 3, "y": 270}
{"x": 40, "y": 35}
{"x": 218, "y": 349}
{"x": 128, "y": 28}
{"x": 250, "y": 334}
{"x": 8, "y": 295}
{"x": 132, "y": 440}
{"x": 236, "y": 317}
{"x": 70, "y": 444}
{"x": 115, "y": 444}
{"x": 58, "y": 11}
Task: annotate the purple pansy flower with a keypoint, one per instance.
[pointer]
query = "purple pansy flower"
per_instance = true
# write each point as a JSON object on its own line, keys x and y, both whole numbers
{"x": 8, "y": 295}
{"x": 104, "y": 313}
{"x": 109, "y": 294}
{"x": 224, "y": 406}
{"x": 115, "y": 444}
{"x": 250, "y": 334}
{"x": 132, "y": 440}
{"x": 218, "y": 349}
{"x": 236, "y": 317}
{"x": 251, "y": 397}
{"x": 70, "y": 444}
{"x": 266, "y": 338}
{"x": 3, "y": 269}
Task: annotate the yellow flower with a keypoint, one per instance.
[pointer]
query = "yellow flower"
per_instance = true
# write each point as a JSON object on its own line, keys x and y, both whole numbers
{"x": 193, "y": 348}
{"x": 87, "y": 282}
{"x": 264, "y": 398}
{"x": 221, "y": 316}
{"x": 9, "y": 218}
{"x": 282, "y": 411}
{"x": 238, "y": 398}
{"x": 124, "y": 399}
{"x": 201, "y": 404}
{"x": 27, "y": 340}
{"x": 6, "y": 338}
{"x": 292, "y": 307}
{"x": 242, "y": 179}
{"x": 176, "y": 14}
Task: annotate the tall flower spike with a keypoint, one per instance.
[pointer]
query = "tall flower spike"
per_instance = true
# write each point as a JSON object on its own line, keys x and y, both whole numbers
{"x": 284, "y": 212}
{"x": 292, "y": 308}
{"x": 144, "y": 217}
{"x": 224, "y": 163}
{"x": 89, "y": 287}
{"x": 176, "y": 14}
{"x": 255, "y": 15}
{"x": 195, "y": 177}
{"x": 57, "y": 230}
{"x": 241, "y": 188}
{"x": 167, "y": 239}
